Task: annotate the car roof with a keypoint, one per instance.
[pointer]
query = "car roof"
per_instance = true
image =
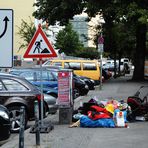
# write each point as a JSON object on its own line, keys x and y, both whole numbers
{"x": 2, "y": 74}
{"x": 73, "y": 60}
{"x": 49, "y": 68}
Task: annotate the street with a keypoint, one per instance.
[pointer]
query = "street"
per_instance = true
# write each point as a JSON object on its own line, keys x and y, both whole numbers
{"x": 64, "y": 137}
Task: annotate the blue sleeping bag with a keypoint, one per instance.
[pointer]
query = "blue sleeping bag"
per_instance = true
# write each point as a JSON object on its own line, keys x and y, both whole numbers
{"x": 85, "y": 121}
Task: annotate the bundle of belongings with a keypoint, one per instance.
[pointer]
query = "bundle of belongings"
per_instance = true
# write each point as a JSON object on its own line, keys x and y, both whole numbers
{"x": 109, "y": 113}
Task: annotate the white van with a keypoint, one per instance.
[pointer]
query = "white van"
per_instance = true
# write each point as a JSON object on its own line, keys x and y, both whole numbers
{"x": 125, "y": 60}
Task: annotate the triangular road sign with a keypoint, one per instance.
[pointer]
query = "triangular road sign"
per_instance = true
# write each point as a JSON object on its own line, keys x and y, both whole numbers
{"x": 40, "y": 47}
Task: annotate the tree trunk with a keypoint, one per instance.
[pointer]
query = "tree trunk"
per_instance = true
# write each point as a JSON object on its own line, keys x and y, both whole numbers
{"x": 139, "y": 57}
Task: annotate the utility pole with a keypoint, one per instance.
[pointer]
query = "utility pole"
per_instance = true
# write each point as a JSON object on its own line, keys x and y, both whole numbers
{"x": 100, "y": 50}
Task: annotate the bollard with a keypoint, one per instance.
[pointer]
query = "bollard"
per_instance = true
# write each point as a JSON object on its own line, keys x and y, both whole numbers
{"x": 22, "y": 125}
{"x": 37, "y": 125}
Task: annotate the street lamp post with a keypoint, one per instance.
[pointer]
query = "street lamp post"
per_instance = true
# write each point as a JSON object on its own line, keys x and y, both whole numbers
{"x": 100, "y": 49}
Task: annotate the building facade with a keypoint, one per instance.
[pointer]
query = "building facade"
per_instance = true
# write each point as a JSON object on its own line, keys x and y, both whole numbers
{"x": 86, "y": 30}
{"x": 80, "y": 25}
{"x": 22, "y": 11}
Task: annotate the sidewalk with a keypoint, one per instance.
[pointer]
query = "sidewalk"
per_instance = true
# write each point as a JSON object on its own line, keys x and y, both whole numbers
{"x": 64, "y": 137}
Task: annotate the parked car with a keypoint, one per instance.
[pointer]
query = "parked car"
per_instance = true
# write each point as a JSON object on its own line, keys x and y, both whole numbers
{"x": 52, "y": 103}
{"x": 80, "y": 87}
{"x": 49, "y": 79}
{"x": 106, "y": 74}
{"x": 86, "y": 68}
{"x": 33, "y": 75}
{"x": 16, "y": 92}
{"x": 50, "y": 91}
{"x": 49, "y": 83}
{"x": 88, "y": 81}
{"x": 5, "y": 126}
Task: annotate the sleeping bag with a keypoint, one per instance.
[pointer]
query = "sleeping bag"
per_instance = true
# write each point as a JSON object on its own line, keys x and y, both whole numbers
{"x": 85, "y": 121}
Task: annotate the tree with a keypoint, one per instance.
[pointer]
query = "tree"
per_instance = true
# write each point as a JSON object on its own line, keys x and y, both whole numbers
{"x": 26, "y": 32}
{"x": 135, "y": 13}
{"x": 67, "y": 41}
{"x": 57, "y": 10}
{"x": 89, "y": 53}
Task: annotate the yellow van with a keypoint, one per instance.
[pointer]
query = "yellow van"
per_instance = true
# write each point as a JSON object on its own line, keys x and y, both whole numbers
{"x": 86, "y": 68}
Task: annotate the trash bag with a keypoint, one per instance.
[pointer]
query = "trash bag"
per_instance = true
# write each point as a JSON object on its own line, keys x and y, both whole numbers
{"x": 85, "y": 121}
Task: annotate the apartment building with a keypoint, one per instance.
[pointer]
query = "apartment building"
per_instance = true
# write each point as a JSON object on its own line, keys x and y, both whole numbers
{"x": 86, "y": 30}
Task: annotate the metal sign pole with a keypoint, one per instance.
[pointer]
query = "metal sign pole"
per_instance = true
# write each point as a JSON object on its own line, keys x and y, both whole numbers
{"x": 41, "y": 72}
{"x": 41, "y": 127}
{"x": 101, "y": 71}
{"x": 21, "y": 132}
{"x": 100, "y": 49}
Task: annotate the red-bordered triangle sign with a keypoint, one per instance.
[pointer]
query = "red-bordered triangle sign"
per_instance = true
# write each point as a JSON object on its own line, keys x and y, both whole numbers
{"x": 40, "y": 47}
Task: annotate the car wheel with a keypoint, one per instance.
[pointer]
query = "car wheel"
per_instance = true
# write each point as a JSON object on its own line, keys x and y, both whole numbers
{"x": 76, "y": 93}
{"x": 15, "y": 116}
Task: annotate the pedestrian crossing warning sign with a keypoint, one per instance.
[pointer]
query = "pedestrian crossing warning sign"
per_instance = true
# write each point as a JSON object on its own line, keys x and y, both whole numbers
{"x": 40, "y": 47}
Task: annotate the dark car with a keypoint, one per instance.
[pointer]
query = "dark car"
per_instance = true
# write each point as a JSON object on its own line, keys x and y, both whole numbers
{"x": 5, "y": 125}
{"x": 106, "y": 74}
{"x": 80, "y": 87}
{"x": 49, "y": 83}
{"x": 88, "y": 81}
{"x": 16, "y": 92}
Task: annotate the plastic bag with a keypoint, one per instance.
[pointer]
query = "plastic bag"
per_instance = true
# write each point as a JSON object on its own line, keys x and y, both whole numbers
{"x": 85, "y": 121}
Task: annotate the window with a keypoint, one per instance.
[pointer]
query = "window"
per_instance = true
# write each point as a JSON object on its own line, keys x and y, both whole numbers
{"x": 13, "y": 85}
{"x": 51, "y": 76}
{"x": 66, "y": 65}
{"x": 57, "y": 63}
{"x": 1, "y": 86}
{"x": 89, "y": 66}
{"x": 28, "y": 75}
{"x": 47, "y": 63}
{"x": 72, "y": 65}
{"x": 44, "y": 76}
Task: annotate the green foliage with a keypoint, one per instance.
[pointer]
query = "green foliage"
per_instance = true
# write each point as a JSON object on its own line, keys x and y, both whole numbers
{"x": 26, "y": 32}
{"x": 88, "y": 52}
{"x": 137, "y": 12}
{"x": 118, "y": 15}
{"x": 67, "y": 41}
{"x": 57, "y": 10}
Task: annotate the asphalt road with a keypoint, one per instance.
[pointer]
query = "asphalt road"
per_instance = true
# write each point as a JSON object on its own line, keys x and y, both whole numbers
{"x": 64, "y": 137}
